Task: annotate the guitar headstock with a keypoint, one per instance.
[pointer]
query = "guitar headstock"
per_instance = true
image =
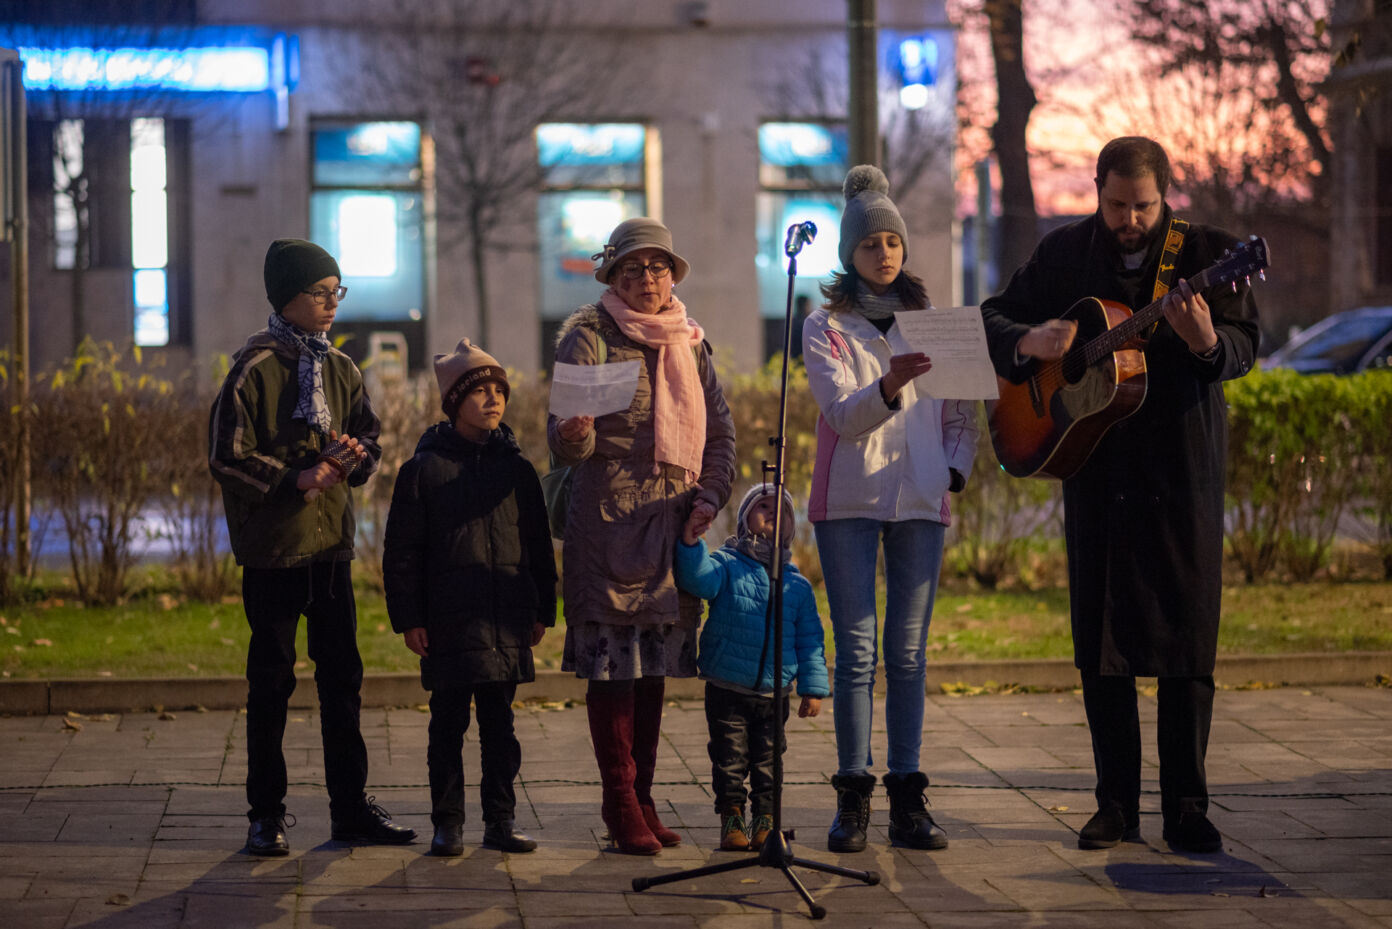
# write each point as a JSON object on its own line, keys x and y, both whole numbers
{"x": 1240, "y": 262}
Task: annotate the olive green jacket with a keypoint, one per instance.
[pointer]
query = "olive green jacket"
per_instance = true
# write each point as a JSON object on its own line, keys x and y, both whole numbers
{"x": 257, "y": 453}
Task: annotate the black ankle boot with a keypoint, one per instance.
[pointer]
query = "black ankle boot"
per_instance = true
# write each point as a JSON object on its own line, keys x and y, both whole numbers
{"x": 910, "y": 823}
{"x": 503, "y": 835}
{"x": 847, "y": 833}
{"x": 448, "y": 841}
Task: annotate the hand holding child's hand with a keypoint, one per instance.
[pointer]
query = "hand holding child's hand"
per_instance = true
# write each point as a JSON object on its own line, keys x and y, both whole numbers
{"x": 697, "y": 524}
{"x": 538, "y": 630}
{"x": 810, "y": 706}
{"x": 417, "y": 641}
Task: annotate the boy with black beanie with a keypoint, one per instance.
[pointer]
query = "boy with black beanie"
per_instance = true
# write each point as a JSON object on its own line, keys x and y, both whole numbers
{"x": 285, "y": 488}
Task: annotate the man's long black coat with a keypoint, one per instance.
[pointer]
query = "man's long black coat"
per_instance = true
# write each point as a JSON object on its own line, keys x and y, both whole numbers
{"x": 1143, "y": 518}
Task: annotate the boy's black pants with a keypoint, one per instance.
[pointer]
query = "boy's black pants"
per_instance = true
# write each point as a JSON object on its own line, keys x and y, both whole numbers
{"x": 500, "y": 754}
{"x": 741, "y": 745}
{"x": 274, "y": 600}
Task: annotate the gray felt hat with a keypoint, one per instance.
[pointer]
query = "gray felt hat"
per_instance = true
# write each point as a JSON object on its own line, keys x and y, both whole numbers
{"x": 868, "y": 210}
{"x": 633, "y": 234}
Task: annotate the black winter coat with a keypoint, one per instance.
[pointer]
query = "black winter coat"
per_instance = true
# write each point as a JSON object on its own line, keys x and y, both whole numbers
{"x": 1143, "y": 518}
{"x": 468, "y": 556}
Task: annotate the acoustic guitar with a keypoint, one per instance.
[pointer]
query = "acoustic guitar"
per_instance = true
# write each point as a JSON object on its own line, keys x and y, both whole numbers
{"x": 1048, "y": 425}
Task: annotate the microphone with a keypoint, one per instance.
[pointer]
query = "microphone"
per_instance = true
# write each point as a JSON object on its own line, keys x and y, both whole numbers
{"x": 799, "y": 234}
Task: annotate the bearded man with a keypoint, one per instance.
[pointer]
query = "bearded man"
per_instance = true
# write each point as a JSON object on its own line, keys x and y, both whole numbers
{"x": 1143, "y": 516}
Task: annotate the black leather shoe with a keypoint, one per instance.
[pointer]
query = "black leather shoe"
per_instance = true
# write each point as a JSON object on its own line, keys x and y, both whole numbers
{"x": 266, "y": 838}
{"x": 1192, "y": 832}
{"x": 448, "y": 841}
{"x": 373, "y": 826}
{"x": 503, "y": 835}
{"x": 1108, "y": 828}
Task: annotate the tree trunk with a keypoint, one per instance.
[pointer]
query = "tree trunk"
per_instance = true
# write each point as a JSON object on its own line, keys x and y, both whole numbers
{"x": 479, "y": 255}
{"x": 1015, "y": 100}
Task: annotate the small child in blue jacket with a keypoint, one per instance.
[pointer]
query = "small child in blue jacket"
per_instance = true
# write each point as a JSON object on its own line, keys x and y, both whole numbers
{"x": 735, "y": 656}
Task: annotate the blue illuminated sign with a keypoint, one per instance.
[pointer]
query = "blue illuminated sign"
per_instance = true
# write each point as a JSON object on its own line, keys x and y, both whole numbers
{"x": 801, "y": 144}
{"x": 590, "y": 144}
{"x": 917, "y": 62}
{"x": 234, "y": 69}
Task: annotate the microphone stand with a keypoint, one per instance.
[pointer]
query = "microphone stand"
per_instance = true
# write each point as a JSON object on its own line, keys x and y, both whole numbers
{"x": 776, "y": 852}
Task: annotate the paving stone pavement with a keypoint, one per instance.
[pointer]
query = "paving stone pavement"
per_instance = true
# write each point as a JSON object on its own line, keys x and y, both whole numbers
{"x": 137, "y": 820}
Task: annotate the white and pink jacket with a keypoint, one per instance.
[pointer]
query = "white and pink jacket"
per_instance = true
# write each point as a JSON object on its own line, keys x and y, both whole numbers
{"x": 874, "y": 462}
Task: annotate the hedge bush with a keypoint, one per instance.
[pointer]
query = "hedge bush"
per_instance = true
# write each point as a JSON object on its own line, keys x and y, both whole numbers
{"x": 117, "y": 441}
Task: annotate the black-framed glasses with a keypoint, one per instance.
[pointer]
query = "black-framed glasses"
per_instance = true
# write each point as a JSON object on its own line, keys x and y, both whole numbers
{"x": 633, "y": 270}
{"x": 322, "y": 295}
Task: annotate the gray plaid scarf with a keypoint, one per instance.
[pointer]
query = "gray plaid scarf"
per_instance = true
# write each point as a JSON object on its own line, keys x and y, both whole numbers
{"x": 877, "y": 306}
{"x": 313, "y": 348}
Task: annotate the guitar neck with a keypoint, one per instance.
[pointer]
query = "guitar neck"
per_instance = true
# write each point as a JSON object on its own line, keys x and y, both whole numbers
{"x": 1113, "y": 339}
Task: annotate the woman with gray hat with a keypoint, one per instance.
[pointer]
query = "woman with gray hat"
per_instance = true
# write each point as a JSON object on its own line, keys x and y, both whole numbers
{"x": 888, "y": 454}
{"x": 637, "y": 475}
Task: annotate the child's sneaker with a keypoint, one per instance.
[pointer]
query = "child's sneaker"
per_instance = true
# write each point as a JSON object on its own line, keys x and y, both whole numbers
{"x": 732, "y": 835}
{"x": 759, "y": 831}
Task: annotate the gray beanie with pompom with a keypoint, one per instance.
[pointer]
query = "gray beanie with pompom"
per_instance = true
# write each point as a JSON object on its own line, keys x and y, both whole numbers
{"x": 868, "y": 210}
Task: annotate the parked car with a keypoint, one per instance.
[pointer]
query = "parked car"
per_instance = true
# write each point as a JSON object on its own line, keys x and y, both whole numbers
{"x": 1341, "y": 343}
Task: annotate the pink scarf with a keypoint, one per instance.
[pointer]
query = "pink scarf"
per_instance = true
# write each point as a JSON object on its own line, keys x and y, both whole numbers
{"x": 679, "y": 402}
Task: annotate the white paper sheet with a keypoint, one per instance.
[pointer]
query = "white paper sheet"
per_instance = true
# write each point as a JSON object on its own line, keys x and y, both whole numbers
{"x": 593, "y": 390}
{"x": 955, "y": 340}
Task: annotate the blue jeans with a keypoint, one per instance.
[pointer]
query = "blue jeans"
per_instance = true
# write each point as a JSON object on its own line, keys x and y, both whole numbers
{"x": 913, "y": 557}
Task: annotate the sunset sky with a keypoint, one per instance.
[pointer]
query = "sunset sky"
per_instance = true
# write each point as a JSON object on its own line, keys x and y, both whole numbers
{"x": 1088, "y": 77}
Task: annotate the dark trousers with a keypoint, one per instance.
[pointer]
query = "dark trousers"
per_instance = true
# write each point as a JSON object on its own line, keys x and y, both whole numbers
{"x": 274, "y": 600}
{"x": 1185, "y": 713}
{"x": 741, "y": 745}
{"x": 499, "y": 752}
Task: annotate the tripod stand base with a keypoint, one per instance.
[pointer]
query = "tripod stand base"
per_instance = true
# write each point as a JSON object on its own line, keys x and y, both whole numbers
{"x": 775, "y": 853}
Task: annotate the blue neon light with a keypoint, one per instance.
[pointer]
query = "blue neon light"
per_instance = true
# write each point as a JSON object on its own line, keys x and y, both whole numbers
{"x": 917, "y": 62}
{"x": 798, "y": 144}
{"x": 590, "y": 144}
{"x": 234, "y": 69}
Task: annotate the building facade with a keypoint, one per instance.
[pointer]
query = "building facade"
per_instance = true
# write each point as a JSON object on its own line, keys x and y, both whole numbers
{"x": 462, "y": 160}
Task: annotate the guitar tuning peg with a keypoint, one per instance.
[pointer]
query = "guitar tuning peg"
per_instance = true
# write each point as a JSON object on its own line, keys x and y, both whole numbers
{"x": 1248, "y": 280}
{"x": 1262, "y": 274}
{"x": 1234, "y": 286}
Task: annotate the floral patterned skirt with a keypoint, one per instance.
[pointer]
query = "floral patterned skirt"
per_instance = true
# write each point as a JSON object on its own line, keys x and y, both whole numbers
{"x": 604, "y": 652}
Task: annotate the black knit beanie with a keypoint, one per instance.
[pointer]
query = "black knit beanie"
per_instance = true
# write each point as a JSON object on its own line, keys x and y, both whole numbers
{"x": 291, "y": 266}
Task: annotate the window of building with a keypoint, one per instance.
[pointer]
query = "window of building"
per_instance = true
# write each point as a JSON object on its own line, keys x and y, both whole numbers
{"x": 68, "y": 196}
{"x": 594, "y": 177}
{"x": 367, "y": 209}
{"x": 149, "y": 231}
{"x": 116, "y": 204}
{"x": 801, "y": 168}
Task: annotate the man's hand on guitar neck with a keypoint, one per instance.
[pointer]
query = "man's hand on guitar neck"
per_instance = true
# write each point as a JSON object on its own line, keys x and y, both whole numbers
{"x": 1188, "y": 315}
{"x": 1048, "y": 341}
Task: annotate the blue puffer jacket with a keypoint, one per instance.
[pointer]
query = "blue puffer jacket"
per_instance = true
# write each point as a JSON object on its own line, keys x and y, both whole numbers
{"x": 732, "y": 639}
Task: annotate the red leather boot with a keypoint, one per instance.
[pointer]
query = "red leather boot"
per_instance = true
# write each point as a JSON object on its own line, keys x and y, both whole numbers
{"x": 611, "y": 730}
{"x": 648, "y": 693}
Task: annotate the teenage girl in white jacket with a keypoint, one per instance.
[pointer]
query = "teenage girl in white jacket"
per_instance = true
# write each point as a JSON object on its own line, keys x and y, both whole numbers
{"x": 887, "y": 457}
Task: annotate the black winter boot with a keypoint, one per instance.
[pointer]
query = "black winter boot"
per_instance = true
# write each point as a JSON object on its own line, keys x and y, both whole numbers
{"x": 910, "y": 823}
{"x": 847, "y": 833}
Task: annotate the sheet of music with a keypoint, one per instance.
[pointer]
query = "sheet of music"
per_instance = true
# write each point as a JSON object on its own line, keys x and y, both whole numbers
{"x": 593, "y": 390}
{"x": 955, "y": 340}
